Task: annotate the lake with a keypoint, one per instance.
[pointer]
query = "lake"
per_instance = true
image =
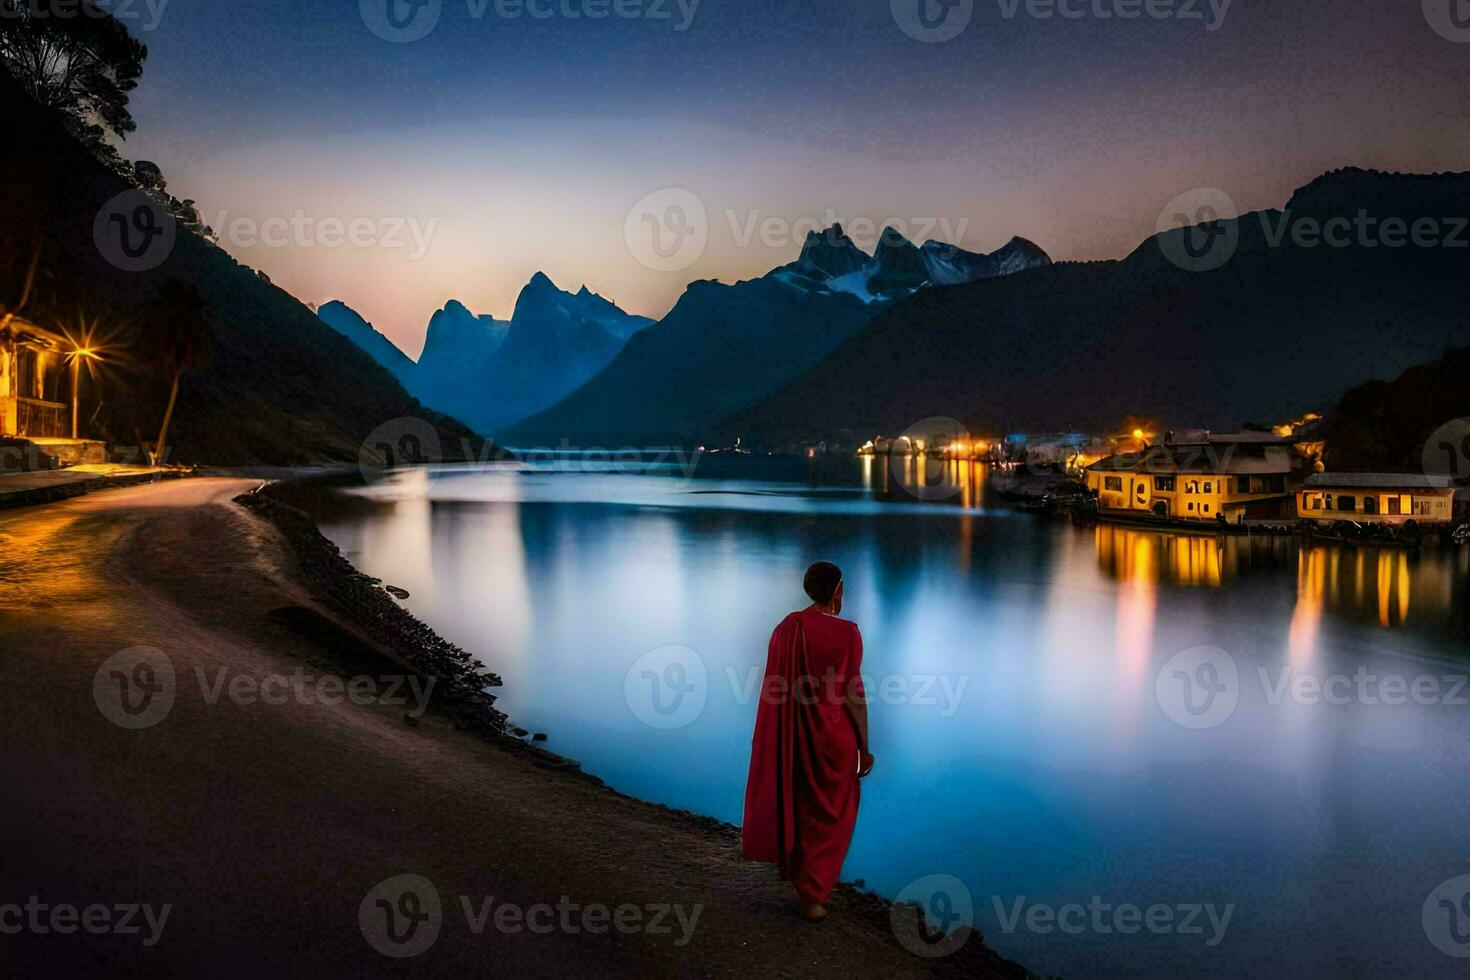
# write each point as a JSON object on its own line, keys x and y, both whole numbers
{"x": 1122, "y": 752}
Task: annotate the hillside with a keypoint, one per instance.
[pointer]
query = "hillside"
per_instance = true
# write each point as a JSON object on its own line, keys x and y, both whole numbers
{"x": 1278, "y": 329}
{"x": 280, "y": 387}
{"x": 1383, "y": 425}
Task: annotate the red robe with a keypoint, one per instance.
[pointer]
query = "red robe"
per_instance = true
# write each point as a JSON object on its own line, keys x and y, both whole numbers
{"x": 801, "y": 800}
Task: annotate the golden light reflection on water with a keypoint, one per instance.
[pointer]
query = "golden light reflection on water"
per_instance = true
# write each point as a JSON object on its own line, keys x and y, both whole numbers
{"x": 1392, "y": 587}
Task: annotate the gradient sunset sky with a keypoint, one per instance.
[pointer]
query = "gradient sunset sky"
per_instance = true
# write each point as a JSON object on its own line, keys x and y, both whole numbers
{"x": 524, "y": 143}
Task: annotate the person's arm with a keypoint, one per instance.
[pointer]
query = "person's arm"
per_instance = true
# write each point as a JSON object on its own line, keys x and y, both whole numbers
{"x": 856, "y": 700}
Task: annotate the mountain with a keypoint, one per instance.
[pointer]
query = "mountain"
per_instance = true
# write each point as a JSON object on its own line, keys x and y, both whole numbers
{"x": 723, "y": 348}
{"x": 1284, "y": 326}
{"x": 280, "y": 387}
{"x": 493, "y": 372}
{"x": 346, "y": 321}
{"x": 1386, "y": 425}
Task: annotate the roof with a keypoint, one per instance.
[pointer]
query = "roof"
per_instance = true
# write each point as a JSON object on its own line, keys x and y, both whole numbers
{"x": 1233, "y": 459}
{"x": 24, "y": 330}
{"x": 1379, "y": 481}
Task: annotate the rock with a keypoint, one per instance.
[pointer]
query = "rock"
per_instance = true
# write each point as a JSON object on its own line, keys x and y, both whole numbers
{"x": 519, "y": 732}
{"x": 539, "y": 737}
{"x": 396, "y": 592}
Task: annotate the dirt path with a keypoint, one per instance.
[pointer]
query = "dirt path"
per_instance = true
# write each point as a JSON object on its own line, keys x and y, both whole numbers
{"x": 265, "y": 826}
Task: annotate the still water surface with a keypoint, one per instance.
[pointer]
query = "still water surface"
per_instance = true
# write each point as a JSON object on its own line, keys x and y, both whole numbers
{"x": 1037, "y": 734}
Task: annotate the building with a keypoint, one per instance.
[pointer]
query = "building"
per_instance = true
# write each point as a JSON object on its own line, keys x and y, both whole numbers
{"x": 35, "y": 382}
{"x": 1206, "y": 478}
{"x": 38, "y": 399}
{"x": 1377, "y": 498}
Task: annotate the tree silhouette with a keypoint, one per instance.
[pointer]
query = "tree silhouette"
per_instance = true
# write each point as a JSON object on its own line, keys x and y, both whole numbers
{"x": 176, "y": 337}
{"x": 80, "y": 67}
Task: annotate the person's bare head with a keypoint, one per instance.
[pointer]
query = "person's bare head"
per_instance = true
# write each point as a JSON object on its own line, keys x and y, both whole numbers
{"x": 824, "y": 584}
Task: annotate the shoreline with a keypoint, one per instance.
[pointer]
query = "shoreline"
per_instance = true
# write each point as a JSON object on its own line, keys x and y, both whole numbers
{"x": 366, "y": 603}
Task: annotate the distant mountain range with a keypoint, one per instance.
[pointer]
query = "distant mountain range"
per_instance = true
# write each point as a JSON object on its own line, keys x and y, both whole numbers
{"x": 491, "y": 373}
{"x": 723, "y": 348}
{"x": 1285, "y": 325}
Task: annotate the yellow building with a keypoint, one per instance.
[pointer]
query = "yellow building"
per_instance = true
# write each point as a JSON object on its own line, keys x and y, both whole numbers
{"x": 1377, "y": 498}
{"x": 35, "y": 384}
{"x": 1211, "y": 478}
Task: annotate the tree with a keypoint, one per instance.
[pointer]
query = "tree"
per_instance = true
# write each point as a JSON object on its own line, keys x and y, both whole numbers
{"x": 80, "y": 66}
{"x": 177, "y": 338}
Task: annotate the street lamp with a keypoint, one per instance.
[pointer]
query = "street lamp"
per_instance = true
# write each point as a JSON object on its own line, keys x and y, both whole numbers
{"x": 77, "y": 356}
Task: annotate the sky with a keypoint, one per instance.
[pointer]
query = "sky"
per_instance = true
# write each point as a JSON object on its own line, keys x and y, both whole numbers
{"x": 455, "y": 148}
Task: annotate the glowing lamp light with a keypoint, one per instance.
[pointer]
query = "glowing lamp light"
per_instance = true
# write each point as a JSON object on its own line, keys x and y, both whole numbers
{"x": 1138, "y": 433}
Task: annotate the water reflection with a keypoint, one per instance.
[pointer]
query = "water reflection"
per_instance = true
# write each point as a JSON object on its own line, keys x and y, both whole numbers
{"x": 1056, "y": 774}
{"x": 1392, "y": 587}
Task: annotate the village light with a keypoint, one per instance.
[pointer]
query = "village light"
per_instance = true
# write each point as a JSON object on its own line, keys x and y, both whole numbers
{"x": 76, "y": 357}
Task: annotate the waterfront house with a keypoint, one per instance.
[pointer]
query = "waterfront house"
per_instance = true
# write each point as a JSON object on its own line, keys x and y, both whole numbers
{"x": 1205, "y": 478}
{"x": 1377, "y": 498}
{"x": 38, "y": 398}
{"x": 33, "y": 382}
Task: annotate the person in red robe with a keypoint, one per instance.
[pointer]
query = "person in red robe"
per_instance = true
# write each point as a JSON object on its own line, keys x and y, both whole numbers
{"x": 810, "y": 746}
